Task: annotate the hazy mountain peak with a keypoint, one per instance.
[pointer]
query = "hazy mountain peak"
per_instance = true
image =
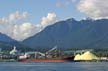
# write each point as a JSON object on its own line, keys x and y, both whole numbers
{"x": 72, "y": 34}
{"x": 71, "y": 19}
{"x": 5, "y": 38}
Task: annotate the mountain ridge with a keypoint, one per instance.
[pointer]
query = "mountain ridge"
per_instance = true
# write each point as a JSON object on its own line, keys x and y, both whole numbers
{"x": 71, "y": 34}
{"x": 7, "y": 43}
{"x": 65, "y": 34}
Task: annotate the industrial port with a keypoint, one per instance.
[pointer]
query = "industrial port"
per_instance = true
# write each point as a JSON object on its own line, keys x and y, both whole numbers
{"x": 53, "y": 55}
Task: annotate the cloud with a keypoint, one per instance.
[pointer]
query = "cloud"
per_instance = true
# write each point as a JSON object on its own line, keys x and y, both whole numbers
{"x": 96, "y": 9}
{"x": 14, "y": 17}
{"x": 50, "y": 19}
{"x": 22, "y": 31}
{"x": 65, "y": 3}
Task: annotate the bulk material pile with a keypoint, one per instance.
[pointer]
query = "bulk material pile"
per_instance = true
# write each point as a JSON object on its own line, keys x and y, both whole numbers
{"x": 86, "y": 56}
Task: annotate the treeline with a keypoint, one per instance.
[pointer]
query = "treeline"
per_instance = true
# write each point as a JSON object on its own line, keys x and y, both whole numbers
{"x": 100, "y": 52}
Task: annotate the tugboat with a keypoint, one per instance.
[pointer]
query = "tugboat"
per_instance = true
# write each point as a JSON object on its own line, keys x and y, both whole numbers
{"x": 53, "y": 55}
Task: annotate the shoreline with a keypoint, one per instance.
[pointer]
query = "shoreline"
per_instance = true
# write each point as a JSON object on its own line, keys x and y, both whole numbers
{"x": 13, "y": 60}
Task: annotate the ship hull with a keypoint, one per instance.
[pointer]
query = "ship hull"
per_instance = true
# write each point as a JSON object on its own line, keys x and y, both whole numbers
{"x": 47, "y": 60}
{"x": 41, "y": 60}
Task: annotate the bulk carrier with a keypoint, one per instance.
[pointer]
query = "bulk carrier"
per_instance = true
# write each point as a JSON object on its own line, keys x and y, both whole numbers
{"x": 53, "y": 55}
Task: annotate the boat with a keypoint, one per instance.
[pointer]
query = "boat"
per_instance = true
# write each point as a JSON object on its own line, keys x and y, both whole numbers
{"x": 47, "y": 60}
{"x": 52, "y": 55}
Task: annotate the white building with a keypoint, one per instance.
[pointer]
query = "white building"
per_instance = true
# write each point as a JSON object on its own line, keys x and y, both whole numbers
{"x": 13, "y": 51}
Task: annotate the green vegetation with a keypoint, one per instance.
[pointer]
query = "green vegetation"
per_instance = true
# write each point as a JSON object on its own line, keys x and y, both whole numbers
{"x": 102, "y": 52}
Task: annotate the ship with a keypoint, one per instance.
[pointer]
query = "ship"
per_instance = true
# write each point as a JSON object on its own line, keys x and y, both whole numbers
{"x": 53, "y": 55}
{"x": 47, "y": 60}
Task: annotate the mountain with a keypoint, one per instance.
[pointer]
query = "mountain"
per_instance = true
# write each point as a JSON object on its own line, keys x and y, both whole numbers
{"x": 7, "y": 43}
{"x": 72, "y": 34}
{"x": 5, "y": 38}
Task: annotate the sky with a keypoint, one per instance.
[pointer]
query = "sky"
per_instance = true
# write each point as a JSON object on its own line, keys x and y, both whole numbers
{"x": 39, "y": 8}
{"x": 20, "y": 19}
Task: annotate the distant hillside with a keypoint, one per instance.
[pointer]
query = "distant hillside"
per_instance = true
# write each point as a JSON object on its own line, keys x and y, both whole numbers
{"x": 5, "y": 38}
{"x": 72, "y": 34}
{"x": 7, "y": 43}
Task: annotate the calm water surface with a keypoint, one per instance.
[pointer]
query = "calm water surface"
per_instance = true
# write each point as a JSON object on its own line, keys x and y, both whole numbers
{"x": 72, "y": 66}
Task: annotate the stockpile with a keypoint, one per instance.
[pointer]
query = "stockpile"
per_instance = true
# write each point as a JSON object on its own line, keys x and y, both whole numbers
{"x": 86, "y": 56}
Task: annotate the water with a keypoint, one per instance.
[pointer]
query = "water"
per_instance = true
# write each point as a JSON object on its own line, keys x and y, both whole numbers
{"x": 72, "y": 66}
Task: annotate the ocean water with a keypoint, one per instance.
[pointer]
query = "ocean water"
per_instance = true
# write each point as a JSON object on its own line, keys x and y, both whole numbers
{"x": 71, "y": 66}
